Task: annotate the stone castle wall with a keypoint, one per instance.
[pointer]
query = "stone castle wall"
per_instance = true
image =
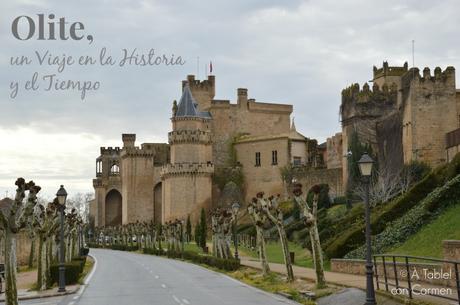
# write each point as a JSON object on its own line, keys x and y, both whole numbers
{"x": 430, "y": 112}
{"x": 266, "y": 177}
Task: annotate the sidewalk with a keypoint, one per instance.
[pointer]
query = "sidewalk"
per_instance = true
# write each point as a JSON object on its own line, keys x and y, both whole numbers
{"x": 340, "y": 279}
{"x": 27, "y": 294}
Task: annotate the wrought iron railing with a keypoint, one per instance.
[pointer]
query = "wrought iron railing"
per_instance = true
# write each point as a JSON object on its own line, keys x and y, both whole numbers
{"x": 409, "y": 274}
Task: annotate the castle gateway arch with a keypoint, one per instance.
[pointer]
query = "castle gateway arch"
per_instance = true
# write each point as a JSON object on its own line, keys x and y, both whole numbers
{"x": 113, "y": 208}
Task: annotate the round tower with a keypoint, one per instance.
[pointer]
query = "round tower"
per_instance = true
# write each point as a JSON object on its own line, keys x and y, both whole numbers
{"x": 187, "y": 180}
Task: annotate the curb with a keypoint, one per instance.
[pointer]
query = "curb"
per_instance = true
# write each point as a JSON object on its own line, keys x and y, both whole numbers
{"x": 78, "y": 288}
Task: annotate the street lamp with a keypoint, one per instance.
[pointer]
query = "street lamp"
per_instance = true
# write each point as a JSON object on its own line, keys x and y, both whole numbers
{"x": 62, "y": 197}
{"x": 365, "y": 167}
{"x": 235, "y": 208}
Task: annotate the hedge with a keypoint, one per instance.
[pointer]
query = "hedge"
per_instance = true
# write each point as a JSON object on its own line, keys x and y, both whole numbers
{"x": 220, "y": 263}
{"x": 73, "y": 271}
{"x": 353, "y": 237}
{"x": 399, "y": 230}
{"x": 114, "y": 247}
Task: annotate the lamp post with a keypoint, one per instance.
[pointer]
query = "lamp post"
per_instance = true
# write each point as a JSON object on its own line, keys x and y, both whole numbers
{"x": 62, "y": 197}
{"x": 365, "y": 167}
{"x": 235, "y": 209}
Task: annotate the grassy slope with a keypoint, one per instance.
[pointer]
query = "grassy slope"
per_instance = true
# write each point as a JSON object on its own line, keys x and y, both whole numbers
{"x": 428, "y": 241}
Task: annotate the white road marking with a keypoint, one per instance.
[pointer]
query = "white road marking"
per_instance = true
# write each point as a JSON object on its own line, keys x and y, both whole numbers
{"x": 185, "y": 301}
{"x": 75, "y": 297}
{"x": 71, "y": 303}
{"x": 163, "y": 285}
{"x": 157, "y": 277}
{"x": 176, "y": 299}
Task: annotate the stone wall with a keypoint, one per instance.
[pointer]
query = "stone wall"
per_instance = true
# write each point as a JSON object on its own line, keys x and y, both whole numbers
{"x": 430, "y": 111}
{"x": 23, "y": 244}
{"x": 334, "y": 151}
{"x": 451, "y": 252}
{"x": 245, "y": 117}
{"x": 266, "y": 177}
{"x": 331, "y": 177}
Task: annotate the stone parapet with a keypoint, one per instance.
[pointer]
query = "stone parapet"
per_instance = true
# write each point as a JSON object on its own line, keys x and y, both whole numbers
{"x": 187, "y": 169}
{"x": 189, "y": 136}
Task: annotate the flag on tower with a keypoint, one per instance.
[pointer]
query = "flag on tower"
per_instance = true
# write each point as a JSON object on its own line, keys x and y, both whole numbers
{"x": 210, "y": 67}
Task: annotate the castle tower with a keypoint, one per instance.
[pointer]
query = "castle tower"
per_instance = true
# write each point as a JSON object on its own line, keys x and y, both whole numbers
{"x": 202, "y": 91}
{"x": 186, "y": 181}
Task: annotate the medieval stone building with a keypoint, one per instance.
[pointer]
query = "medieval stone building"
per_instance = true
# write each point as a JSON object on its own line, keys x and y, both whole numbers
{"x": 168, "y": 181}
{"x": 404, "y": 117}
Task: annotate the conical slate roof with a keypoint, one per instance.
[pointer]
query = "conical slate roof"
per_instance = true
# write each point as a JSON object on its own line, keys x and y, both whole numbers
{"x": 188, "y": 107}
{"x": 187, "y": 104}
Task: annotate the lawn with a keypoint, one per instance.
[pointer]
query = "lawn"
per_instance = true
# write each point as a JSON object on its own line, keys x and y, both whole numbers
{"x": 275, "y": 255}
{"x": 428, "y": 241}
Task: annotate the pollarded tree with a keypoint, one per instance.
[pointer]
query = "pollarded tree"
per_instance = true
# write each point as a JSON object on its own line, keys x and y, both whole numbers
{"x": 221, "y": 224}
{"x": 275, "y": 215}
{"x": 310, "y": 218}
{"x": 46, "y": 223}
{"x": 13, "y": 219}
{"x": 259, "y": 218}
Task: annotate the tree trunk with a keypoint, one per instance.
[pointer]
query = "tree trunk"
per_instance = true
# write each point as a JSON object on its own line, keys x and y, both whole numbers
{"x": 11, "y": 292}
{"x": 40, "y": 262}
{"x": 316, "y": 246}
{"x": 317, "y": 257}
{"x": 32, "y": 253}
{"x": 287, "y": 256}
{"x": 262, "y": 251}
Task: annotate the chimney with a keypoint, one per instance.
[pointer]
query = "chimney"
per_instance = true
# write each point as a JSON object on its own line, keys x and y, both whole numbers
{"x": 242, "y": 97}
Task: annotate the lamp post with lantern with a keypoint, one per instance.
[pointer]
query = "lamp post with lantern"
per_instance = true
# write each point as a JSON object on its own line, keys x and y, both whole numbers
{"x": 62, "y": 197}
{"x": 365, "y": 167}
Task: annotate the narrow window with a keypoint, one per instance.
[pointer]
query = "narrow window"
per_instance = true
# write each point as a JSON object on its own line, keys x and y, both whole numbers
{"x": 257, "y": 158}
{"x": 274, "y": 157}
{"x": 297, "y": 161}
{"x": 98, "y": 168}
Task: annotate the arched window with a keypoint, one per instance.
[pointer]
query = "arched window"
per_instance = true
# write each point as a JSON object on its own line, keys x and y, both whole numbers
{"x": 115, "y": 170}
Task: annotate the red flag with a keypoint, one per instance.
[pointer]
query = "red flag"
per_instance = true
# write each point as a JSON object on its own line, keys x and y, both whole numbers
{"x": 210, "y": 67}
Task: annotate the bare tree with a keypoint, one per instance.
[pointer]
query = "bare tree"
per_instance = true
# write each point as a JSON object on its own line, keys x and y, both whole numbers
{"x": 13, "y": 219}
{"x": 311, "y": 222}
{"x": 275, "y": 215}
{"x": 259, "y": 218}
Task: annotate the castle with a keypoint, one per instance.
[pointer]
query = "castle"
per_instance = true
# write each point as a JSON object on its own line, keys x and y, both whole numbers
{"x": 404, "y": 117}
{"x": 162, "y": 182}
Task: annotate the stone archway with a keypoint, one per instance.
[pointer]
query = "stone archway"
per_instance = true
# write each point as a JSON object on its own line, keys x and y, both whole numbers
{"x": 113, "y": 208}
{"x": 157, "y": 198}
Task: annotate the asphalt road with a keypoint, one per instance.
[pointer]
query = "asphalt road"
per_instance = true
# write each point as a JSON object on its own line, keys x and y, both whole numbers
{"x": 134, "y": 279}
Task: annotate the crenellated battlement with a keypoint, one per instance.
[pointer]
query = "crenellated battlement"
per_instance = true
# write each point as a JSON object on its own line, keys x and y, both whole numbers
{"x": 367, "y": 101}
{"x": 137, "y": 151}
{"x": 387, "y": 70}
{"x": 187, "y": 169}
{"x": 110, "y": 150}
{"x": 189, "y": 136}
{"x": 206, "y": 84}
{"x": 438, "y": 76}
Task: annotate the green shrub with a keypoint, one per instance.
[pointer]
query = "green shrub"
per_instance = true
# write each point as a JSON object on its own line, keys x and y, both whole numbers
{"x": 124, "y": 247}
{"x": 402, "y": 228}
{"x": 73, "y": 270}
{"x": 352, "y": 228}
{"x": 220, "y": 263}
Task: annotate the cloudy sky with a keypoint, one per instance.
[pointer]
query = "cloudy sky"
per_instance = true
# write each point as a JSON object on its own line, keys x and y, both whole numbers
{"x": 297, "y": 52}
